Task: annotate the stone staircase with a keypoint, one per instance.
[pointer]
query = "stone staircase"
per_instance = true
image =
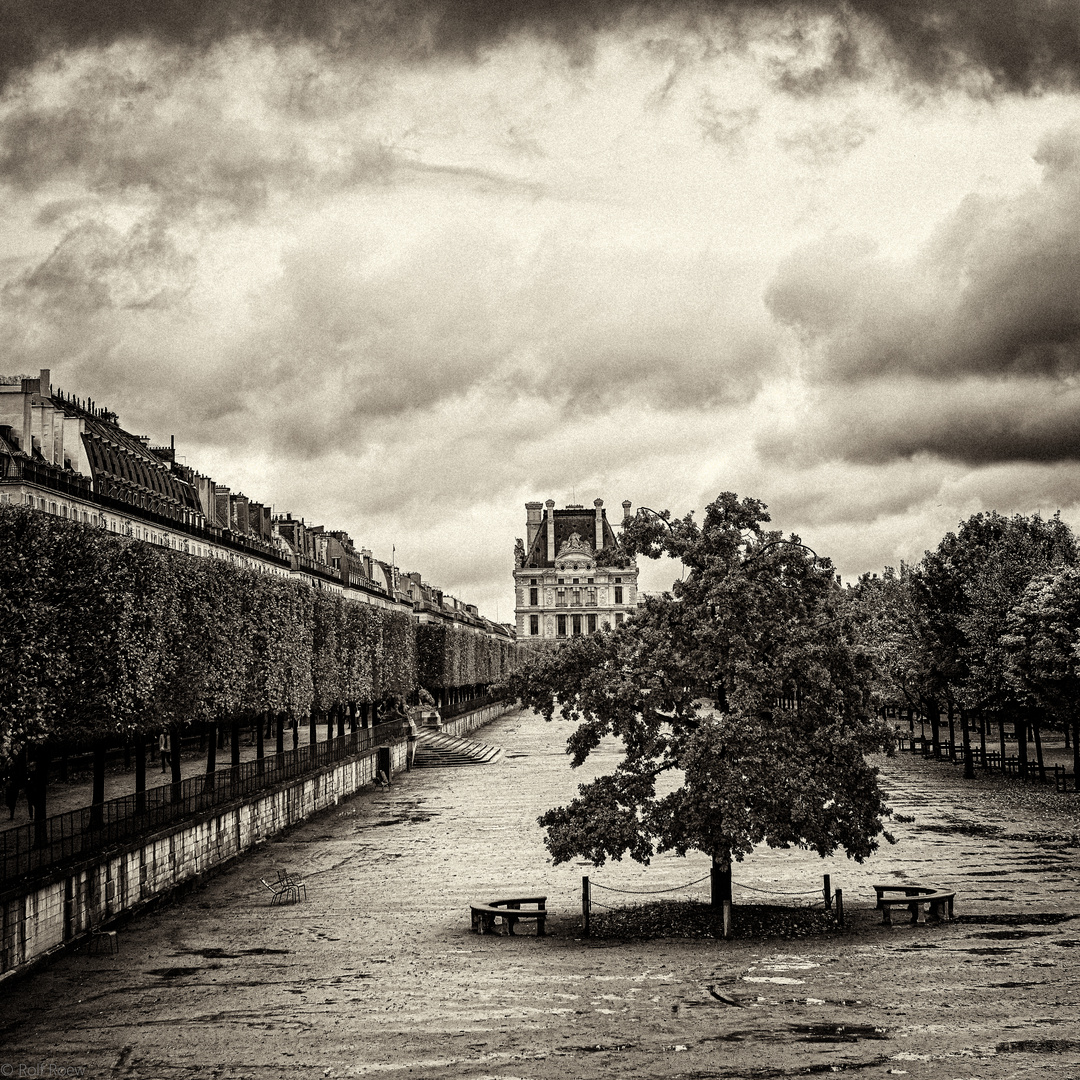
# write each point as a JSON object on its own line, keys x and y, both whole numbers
{"x": 434, "y": 750}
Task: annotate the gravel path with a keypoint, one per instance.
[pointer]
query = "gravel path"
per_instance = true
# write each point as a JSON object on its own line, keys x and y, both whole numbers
{"x": 377, "y": 973}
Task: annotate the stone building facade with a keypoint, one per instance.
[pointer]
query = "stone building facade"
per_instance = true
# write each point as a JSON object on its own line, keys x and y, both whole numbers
{"x": 561, "y": 588}
{"x": 71, "y": 458}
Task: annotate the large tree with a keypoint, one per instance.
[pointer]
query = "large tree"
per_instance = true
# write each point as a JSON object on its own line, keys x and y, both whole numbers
{"x": 757, "y": 627}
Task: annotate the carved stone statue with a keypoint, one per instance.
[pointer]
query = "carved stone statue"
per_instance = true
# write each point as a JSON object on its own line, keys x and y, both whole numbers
{"x": 519, "y": 554}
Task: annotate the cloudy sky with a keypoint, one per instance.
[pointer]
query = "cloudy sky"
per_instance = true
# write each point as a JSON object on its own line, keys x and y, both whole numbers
{"x": 400, "y": 268}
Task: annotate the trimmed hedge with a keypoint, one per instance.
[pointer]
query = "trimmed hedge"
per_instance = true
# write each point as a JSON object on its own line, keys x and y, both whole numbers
{"x": 103, "y": 637}
{"x": 454, "y": 655}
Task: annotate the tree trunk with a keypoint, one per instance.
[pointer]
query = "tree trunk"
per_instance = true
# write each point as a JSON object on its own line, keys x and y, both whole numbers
{"x": 329, "y": 725}
{"x": 952, "y": 732}
{"x": 1021, "y": 727}
{"x": 313, "y": 729}
{"x": 40, "y": 797}
{"x": 140, "y": 774}
{"x": 234, "y": 745}
{"x": 720, "y": 880}
{"x": 934, "y": 710}
{"x": 97, "y": 798}
{"x": 340, "y": 710}
{"x": 1076, "y": 751}
{"x": 965, "y": 729}
{"x": 982, "y": 738}
{"x": 1036, "y": 730}
{"x": 260, "y": 743}
{"x": 211, "y": 757}
{"x": 174, "y": 756}
{"x": 1001, "y": 740}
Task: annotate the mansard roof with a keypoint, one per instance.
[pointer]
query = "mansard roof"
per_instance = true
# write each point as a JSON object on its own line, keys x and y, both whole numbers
{"x": 567, "y": 522}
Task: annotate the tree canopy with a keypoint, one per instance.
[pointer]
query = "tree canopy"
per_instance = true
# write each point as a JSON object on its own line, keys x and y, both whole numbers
{"x": 774, "y": 754}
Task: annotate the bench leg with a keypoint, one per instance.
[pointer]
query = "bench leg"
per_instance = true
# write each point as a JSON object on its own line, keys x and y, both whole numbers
{"x": 510, "y": 922}
{"x": 918, "y": 915}
{"x": 540, "y": 926}
{"x": 886, "y": 915}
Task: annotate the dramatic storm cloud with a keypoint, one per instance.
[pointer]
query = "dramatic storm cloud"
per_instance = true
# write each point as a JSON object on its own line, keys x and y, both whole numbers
{"x": 399, "y": 268}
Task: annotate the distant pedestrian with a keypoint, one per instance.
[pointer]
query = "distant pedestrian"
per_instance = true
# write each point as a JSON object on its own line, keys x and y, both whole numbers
{"x": 163, "y": 750}
{"x": 11, "y": 795}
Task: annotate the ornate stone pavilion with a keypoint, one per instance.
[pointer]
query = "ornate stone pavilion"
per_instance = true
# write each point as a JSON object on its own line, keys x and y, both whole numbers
{"x": 567, "y": 577}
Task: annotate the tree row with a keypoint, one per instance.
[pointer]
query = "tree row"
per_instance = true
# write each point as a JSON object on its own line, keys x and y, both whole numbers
{"x": 982, "y": 633}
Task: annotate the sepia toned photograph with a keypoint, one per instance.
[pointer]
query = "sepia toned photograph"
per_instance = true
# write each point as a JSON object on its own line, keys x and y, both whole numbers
{"x": 539, "y": 539}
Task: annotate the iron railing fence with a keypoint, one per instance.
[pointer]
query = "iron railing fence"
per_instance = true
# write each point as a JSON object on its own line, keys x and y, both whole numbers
{"x": 459, "y": 708}
{"x": 37, "y": 846}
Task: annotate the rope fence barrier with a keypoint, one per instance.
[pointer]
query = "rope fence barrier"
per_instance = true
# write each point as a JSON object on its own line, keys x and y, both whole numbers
{"x": 828, "y": 897}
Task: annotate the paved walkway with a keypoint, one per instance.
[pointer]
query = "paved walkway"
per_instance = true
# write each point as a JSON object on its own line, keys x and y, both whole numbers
{"x": 376, "y": 974}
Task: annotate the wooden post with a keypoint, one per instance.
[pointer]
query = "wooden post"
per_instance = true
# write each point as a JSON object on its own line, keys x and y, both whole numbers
{"x": 586, "y": 907}
{"x": 727, "y": 919}
{"x": 828, "y": 893}
{"x": 840, "y": 907}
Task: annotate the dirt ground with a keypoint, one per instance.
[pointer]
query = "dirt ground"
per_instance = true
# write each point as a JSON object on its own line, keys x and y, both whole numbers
{"x": 377, "y": 973}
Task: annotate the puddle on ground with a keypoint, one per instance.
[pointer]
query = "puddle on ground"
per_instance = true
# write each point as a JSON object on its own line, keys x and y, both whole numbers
{"x": 601, "y": 1048}
{"x": 1020, "y": 919}
{"x": 182, "y": 972}
{"x": 404, "y": 819}
{"x": 963, "y": 828}
{"x": 1011, "y": 935}
{"x": 1039, "y": 1046}
{"x": 840, "y": 1032}
{"x": 222, "y": 954}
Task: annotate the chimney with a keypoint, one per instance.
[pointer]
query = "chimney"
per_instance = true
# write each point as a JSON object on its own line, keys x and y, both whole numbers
{"x": 534, "y": 515}
{"x": 626, "y": 504}
{"x": 45, "y": 382}
{"x": 550, "y": 504}
{"x": 599, "y": 504}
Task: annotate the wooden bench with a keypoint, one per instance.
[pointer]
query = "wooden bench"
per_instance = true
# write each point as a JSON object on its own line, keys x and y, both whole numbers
{"x": 1064, "y": 780}
{"x": 914, "y": 898}
{"x": 511, "y": 912}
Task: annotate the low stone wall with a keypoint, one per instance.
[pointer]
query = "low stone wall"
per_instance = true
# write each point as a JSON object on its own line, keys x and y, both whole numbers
{"x": 48, "y": 915}
{"x": 460, "y": 726}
